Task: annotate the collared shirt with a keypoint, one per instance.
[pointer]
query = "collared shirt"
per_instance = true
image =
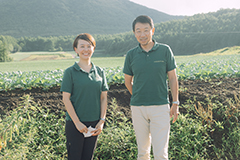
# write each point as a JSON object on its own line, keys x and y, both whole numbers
{"x": 149, "y": 71}
{"x": 85, "y": 89}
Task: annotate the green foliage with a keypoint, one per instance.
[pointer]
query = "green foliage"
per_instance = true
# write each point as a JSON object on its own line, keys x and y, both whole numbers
{"x": 117, "y": 44}
{"x": 47, "y": 79}
{"x": 117, "y": 141}
{"x": 34, "y": 132}
{"x": 11, "y": 43}
{"x": 30, "y": 132}
{"x": 201, "y": 33}
{"x": 46, "y": 44}
{"x": 211, "y": 67}
{"x": 114, "y": 75}
{"x": 228, "y": 115}
{"x": 28, "y": 80}
{"x": 221, "y": 124}
{"x": 230, "y": 146}
{"x": 4, "y": 53}
{"x": 189, "y": 139}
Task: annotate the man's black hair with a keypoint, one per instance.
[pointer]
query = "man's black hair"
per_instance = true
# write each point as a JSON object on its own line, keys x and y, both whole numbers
{"x": 142, "y": 19}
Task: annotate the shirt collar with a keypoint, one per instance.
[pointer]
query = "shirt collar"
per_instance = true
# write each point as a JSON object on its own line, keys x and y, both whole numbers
{"x": 155, "y": 46}
{"x": 76, "y": 66}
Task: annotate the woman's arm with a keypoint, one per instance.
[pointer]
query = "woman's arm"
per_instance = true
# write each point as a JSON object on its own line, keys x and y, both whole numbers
{"x": 69, "y": 107}
{"x": 100, "y": 124}
{"x": 103, "y": 104}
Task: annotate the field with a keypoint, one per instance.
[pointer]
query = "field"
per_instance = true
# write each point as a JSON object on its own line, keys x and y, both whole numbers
{"x": 46, "y": 61}
{"x": 207, "y": 128}
{"x": 20, "y": 64}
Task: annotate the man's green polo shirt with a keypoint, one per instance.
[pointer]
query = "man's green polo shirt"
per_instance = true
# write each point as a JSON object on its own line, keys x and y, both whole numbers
{"x": 149, "y": 71}
{"x": 85, "y": 89}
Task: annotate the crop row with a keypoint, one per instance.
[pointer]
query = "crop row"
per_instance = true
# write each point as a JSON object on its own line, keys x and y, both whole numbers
{"x": 209, "y": 69}
{"x": 205, "y": 69}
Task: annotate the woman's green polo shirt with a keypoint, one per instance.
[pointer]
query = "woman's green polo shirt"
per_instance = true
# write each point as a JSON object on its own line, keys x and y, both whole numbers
{"x": 85, "y": 89}
{"x": 149, "y": 71}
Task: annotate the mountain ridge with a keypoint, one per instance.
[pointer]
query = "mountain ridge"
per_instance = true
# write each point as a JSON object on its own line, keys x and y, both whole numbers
{"x": 64, "y": 17}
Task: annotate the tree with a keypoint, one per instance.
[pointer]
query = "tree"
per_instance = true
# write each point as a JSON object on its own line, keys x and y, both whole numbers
{"x": 12, "y": 44}
{"x": 4, "y": 57}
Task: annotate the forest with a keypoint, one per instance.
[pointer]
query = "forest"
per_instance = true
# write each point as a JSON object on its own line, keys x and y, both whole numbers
{"x": 200, "y": 33}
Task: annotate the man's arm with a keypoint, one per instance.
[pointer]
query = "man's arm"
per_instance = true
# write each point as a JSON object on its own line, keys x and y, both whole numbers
{"x": 128, "y": 82}
{"x": 173, "y": 81}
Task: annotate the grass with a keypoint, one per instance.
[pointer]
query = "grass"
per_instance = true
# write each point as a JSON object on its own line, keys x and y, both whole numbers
{"x": 33, "y": 61}
{"x": 225, "y": 52}
{"x": 98, "y": 59}
{"x": 33, "y": 132}
{"x": 48, "y": 57}
{"x": 57, "y": 64}
{"x": 23, "y": 55}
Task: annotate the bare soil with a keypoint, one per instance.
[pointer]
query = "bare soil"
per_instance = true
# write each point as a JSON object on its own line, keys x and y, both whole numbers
{"x": 218, "y": 89}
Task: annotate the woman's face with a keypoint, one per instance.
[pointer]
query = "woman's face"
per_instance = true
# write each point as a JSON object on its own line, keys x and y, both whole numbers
{"x": 84, "y": 49}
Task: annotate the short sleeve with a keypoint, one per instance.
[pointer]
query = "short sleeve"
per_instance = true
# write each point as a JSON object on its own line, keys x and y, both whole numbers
{"x": 127, "y": 69}
{"x": 171, "y": 64}
{"x": 67, "y": 82}
{"x": 104, "y": 82}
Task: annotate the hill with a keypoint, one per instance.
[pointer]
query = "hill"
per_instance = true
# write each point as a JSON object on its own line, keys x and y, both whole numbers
{"x": 70, "y": 17}
{"x": 223, "y": 51}
{"x": 201, "y": 33}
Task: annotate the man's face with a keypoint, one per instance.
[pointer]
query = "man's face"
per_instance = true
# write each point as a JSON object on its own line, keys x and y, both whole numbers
{"x": 143, "y": 33}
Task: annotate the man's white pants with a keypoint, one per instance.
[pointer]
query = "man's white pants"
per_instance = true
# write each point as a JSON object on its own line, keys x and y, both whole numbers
{"x": 152, "y": 124}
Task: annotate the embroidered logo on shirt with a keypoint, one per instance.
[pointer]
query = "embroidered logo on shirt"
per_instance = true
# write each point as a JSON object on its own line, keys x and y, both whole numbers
{"x": 158, "y": 61}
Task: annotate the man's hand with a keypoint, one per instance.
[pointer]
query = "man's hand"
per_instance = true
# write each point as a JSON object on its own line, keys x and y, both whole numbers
{"x": 174, "y": 111}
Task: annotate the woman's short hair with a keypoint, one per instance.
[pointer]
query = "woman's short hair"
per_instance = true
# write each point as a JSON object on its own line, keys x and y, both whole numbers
{"x": 84, "y": 36}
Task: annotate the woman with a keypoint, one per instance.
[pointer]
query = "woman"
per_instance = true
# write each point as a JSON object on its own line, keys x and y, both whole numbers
{"x": 84, "y": 89}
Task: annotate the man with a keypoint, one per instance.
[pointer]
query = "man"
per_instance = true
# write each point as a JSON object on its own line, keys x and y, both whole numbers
{"x": 146, "y": 70}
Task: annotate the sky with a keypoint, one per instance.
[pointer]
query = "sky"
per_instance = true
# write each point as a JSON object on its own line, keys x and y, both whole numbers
{"x": 188, "y": 7}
